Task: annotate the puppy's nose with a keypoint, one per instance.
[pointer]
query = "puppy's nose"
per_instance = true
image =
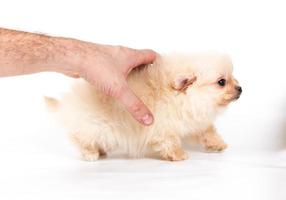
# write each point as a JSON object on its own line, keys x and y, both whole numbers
{"x": 239, "y": 89}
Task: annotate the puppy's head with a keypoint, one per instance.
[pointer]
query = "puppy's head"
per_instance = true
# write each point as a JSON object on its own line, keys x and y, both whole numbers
{"x": 206, "y": 78}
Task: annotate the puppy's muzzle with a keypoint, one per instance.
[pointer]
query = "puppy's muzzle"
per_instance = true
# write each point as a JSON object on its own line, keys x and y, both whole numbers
{"x": 238, "y": 90}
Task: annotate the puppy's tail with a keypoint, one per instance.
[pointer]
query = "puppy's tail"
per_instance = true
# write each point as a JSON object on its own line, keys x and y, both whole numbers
{"x": 52, "y": 103}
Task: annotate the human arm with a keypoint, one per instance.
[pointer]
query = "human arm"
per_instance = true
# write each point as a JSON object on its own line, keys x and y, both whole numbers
{"x": 104, "y": 66}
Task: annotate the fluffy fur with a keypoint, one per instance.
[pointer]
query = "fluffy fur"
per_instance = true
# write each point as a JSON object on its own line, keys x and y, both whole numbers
{"x": 183, "y": 93}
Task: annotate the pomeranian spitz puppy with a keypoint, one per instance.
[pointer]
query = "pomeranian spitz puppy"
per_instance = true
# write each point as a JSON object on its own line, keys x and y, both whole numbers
{"x": 184, "y": 92}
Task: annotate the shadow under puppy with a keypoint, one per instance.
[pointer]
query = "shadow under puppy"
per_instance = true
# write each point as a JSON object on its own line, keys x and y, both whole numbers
{"x": 184, "y": 92}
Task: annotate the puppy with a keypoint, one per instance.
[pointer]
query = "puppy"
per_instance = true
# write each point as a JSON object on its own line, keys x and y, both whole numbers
{"x": 184, "y": 92}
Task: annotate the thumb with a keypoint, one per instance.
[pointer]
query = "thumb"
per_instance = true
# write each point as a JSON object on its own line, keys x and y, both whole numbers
{"x": 136, "y": 107}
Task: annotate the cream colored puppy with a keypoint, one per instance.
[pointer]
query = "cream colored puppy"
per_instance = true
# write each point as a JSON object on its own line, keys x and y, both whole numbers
{"x": 184, "y": 92}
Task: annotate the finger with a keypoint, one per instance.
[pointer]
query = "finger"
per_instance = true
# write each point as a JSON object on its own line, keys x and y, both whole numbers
{"x": 136, "y": 107}
{"x": 143, "y": 57}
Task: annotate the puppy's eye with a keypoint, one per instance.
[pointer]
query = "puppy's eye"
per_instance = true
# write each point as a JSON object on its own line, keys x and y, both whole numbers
{"x": 221, "y": 82}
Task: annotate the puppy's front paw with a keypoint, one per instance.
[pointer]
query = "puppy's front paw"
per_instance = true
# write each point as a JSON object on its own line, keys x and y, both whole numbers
{"x": 211, "y": 141}
{"x": 175, "y": 155}
{"x": 214, "y": 144}
{"x": 91, "y": 157}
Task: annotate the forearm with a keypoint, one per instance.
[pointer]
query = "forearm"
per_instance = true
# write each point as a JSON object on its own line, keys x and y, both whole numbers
{"x": 25, "y": 53}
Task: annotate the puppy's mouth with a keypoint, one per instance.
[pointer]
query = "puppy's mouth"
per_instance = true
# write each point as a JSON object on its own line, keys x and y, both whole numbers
{"x": 235, "y": 94}
{"x": 229, "y": 97}
{"x": 236, "y": 97}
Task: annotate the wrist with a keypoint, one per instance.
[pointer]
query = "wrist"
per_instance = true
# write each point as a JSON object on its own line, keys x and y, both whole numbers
{"x": 74, "y": 54}
{"x": 66, "y": 56}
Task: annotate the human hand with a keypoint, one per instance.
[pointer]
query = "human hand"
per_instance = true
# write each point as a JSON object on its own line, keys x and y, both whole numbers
{"x": 107, "y": 68}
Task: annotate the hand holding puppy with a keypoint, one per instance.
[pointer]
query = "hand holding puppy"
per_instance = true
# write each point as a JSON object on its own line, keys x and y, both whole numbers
{"x": 107, "y": 68}
{"x": 104, "y": 66}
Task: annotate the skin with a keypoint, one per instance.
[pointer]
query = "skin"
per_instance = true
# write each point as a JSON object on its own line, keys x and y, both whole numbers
{"x": 104, "y": 66}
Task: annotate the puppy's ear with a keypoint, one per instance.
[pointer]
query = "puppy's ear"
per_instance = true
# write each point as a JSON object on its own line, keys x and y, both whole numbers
{"x": 181, "y": 83}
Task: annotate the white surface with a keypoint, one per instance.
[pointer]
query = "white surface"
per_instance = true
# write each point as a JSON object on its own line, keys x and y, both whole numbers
{"x": 37, "y": 161}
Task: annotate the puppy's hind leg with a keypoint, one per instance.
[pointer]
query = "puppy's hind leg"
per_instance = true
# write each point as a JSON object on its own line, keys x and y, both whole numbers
{"x": 169, "y": 147}
{"x": 211, "y": 140}
{"x": 88, "y": 147}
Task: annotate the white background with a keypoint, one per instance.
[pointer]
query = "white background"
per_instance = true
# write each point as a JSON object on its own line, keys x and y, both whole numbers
{"x": 37, "y": 161}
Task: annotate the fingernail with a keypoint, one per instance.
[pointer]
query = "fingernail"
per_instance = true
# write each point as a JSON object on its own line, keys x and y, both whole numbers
{"x": 147, "y": 119}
